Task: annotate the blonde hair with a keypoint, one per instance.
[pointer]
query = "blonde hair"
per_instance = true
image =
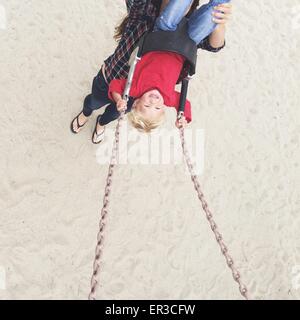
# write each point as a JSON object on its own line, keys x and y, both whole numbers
{"x": 141, "y": 123}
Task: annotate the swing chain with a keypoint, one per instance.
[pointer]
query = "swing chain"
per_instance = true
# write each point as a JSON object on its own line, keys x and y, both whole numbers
{"x": 235, "y": 273}
{"x": 100, "y": 237}
{"x": 104, "y": 211}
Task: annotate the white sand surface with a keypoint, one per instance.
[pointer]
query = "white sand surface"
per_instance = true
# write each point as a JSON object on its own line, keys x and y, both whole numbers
{"x": 158, "y": 244}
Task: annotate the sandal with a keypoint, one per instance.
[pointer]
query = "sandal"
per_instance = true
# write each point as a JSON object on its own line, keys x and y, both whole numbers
{"x": 99, "y": 136}
{"x": 78, "y": 125}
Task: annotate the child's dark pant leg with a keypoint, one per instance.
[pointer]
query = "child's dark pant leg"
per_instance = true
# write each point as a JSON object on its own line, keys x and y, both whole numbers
{"x": 99, "y": 96}
{"x": 110, "y": 114}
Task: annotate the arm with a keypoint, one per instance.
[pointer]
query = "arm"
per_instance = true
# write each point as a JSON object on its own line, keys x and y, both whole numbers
{"x": 174, "y": 101}
{"x": 216, "y": 40}
{"x": 115, "y": 92}
{"x": 121, "y": 104}
{"x": 187, "y": 117}
{"x": 116, "y": 97}
{"x": 116, "y": 87}
{"x": 217, "y": 37}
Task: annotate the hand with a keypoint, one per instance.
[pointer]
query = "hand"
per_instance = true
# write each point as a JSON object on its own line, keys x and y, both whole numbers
{"x": 181, "y": 123}
{"x": 222, "y": 13}
{"x": 121, "y": 105}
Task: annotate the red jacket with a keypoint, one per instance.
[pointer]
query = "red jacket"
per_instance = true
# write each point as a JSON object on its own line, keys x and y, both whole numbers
{"x": 156, "y": 70}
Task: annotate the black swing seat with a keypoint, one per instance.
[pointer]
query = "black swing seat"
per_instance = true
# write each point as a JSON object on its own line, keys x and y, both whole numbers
{"x": 177, "y": 41}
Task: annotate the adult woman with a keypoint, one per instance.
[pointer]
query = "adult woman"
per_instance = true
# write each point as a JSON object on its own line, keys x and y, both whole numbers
{"x": 141, "y": 19}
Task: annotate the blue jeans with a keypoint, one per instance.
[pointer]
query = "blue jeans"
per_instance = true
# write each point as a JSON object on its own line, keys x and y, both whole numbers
{"x": 200, "y": 22}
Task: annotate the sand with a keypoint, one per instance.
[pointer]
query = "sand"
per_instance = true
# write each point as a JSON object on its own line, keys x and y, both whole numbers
{"x": 158, "y": 244}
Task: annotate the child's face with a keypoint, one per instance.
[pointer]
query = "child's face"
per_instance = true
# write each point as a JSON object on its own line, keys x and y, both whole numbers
{"x": 151, "y": 105}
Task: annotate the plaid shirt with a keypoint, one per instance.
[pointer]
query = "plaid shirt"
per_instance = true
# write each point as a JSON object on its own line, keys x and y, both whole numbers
{"x": 142, "y": 16}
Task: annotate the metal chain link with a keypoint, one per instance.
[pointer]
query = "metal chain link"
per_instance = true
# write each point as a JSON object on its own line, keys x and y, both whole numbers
{"x": 104, "y": 211}
{"x": 235, "y": 273}
{"x": 100, "y": 237}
